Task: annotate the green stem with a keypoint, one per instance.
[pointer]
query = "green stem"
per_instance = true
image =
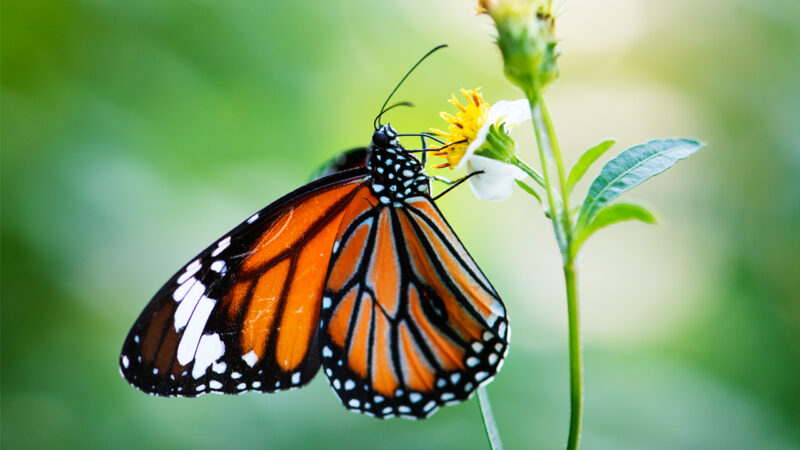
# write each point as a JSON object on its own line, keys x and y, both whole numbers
{"x": 489, "y": 424}
{"x": 547, "y": 157}
{"x": 562, "y": 174}
{"x": 575, "y": 357}
{"x": 553, "y": 166}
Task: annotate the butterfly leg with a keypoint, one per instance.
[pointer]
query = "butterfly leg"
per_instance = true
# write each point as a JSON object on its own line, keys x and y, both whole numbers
{"x": 455, "y": 184}
{"x": 424, "y": 147}
{"x": 424, "y": 134}
{"x": 444, "y": 180}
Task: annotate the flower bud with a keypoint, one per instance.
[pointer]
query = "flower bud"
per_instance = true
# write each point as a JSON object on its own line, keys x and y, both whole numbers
{"x": 526, "y": 37}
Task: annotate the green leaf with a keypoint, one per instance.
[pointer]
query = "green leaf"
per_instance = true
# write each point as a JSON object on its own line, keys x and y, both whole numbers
{"x": 631, "y": 168}
{"x": 529, "y": 190}
{"x": 525, "y": 187}
{"x": 610, "y": 215}
{"x": 585, "y": 161}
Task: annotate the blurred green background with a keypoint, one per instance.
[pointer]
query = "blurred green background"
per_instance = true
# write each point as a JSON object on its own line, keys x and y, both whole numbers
{"x": 135, "y": 133}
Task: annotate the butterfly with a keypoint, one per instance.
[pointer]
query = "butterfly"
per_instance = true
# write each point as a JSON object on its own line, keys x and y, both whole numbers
{"x": 357, "y": 273}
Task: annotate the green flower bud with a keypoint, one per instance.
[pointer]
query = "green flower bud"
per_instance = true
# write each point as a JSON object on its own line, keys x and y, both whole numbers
{"x": 526, "y": 37}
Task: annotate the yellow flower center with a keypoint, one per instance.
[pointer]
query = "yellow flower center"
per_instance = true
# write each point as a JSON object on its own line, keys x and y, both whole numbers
{"x": 463, "y": 127}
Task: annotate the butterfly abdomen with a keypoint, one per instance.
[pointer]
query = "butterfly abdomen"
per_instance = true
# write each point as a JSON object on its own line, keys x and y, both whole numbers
{"x": 395, "y": 174}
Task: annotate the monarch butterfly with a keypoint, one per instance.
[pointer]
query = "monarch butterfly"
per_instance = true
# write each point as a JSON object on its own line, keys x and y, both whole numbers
{"x": 356, "y": 272}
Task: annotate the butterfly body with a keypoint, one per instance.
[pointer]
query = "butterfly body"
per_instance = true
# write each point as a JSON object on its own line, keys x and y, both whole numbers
{"x": 395, "y": 175}
{"x": 357, "y": 273}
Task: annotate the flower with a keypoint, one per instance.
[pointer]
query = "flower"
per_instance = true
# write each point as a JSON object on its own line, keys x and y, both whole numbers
{"x": 464, "y": 126}
{"x": 477, "y": 138}
{"x": 526, "y": 37}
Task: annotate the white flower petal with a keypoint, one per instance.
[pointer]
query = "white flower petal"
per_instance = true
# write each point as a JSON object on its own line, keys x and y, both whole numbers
{"x": 497, "y": 181}
{"x": 509, "y": 113}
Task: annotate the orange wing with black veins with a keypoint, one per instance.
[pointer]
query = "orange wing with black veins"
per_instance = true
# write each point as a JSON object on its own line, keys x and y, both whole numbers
{"x": 409, "y": 322}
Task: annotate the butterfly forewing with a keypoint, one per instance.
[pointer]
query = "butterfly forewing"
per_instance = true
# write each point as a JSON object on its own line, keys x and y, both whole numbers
{"x": 243, "y": 315}
{"x": 409, "y": 322}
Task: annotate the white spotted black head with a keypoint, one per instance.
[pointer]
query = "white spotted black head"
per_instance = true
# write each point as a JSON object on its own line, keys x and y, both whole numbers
{"x": 396, "y": 174}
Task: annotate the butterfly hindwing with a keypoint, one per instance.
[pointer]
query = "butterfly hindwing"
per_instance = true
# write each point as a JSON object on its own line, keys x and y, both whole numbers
{"x": 409, "y": 322}
{"x": 244, "y": 314}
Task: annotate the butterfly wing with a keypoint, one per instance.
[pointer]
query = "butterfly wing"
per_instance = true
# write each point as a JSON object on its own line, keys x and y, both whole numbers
{"x": 244, "y": 314}
{"x": 409, "y": 322}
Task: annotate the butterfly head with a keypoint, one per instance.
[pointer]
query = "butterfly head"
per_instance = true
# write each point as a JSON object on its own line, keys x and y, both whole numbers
{"x": 385, "y": 137}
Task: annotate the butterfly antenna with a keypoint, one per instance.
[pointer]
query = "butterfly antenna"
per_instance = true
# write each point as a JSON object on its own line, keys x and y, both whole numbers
{"x": 378, "y": 117}
{"x": 376, "y": 123}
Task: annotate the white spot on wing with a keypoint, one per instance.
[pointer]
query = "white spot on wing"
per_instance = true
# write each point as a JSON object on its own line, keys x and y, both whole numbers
{"x": 125, "y": 362}
{"x": 472, "y": 361}
{"x": 218, "y": 266}
{"x": 349, "y": 385}
{"x": 183, "y": 289}
{"x": 193, "y": 331}
{"x": 209, "y": 350}
{"x": 214, "y": 384}
{"x": 354, "y": 403}
{"x": 250, "y": 358}
{"x": 295, "y": 377}
{"x": 326, "y": 352}
{"x": 188, "y": 305}
{"x": 221, "y": 246}
{"x": 236, "y": 375}
{"x": 191, "y": 269}
{"x": 219, "y": 367}
{"x": 253, "y": 218}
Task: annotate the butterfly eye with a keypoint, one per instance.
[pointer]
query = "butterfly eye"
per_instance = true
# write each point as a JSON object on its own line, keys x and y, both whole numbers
{"x": 380, "y": 139}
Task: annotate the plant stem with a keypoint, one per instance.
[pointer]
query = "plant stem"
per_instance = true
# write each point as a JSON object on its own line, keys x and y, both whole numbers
{"x": 575, "y": 357}
{"x": 489, "y": 424}
{"x": 553, "y": 166}
{"x": 549, "y": 165}
{"x": 562, "y": 174}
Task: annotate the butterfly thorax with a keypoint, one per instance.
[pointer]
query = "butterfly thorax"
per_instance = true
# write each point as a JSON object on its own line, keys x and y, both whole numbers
{"x": 395, "y": 174}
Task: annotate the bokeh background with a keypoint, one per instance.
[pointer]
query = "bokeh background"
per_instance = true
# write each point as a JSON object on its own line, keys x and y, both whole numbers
{"x": 135, "y": 133}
